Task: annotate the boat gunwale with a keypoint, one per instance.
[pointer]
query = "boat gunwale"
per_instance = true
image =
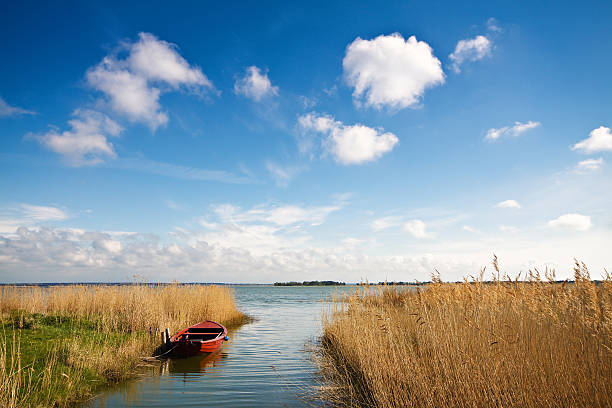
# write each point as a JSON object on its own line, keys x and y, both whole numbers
{"x": 176, "y": 338}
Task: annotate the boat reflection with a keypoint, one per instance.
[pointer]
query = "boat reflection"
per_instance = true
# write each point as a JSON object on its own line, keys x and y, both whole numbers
{"x": 196, "y": 364}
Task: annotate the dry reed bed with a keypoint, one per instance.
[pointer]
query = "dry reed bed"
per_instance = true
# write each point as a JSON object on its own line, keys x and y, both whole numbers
{"x": 475, "y": 344}
{"x": 127, "y": 308}
{"x": 111, "y": 328}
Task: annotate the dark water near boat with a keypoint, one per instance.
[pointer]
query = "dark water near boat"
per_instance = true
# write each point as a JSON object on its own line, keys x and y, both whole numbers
{"x": 265, "y": 363}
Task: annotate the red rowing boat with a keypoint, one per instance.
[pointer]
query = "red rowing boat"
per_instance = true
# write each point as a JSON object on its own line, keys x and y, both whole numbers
{"x": 204, "y": 337}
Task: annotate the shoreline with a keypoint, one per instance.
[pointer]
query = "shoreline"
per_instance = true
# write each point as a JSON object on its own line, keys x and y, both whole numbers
{"x": 75, "y": 341}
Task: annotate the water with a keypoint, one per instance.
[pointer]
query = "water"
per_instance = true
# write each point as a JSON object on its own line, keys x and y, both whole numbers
{"x": 265, "y": 363}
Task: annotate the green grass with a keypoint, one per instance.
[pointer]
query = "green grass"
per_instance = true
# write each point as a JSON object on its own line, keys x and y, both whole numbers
{"x": 50, "y": 374}
{"x": 60, "y": 345}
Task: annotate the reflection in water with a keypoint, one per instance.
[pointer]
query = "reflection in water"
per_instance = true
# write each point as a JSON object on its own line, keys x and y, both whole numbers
{"x": 264, "y": 364}
{"x": 196, "y": 364}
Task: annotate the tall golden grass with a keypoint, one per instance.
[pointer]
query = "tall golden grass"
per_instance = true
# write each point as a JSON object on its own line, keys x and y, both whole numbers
{"x": 112, "y": 328}
{"x": 127, "y": 308}
{"x": 507, "y": 343}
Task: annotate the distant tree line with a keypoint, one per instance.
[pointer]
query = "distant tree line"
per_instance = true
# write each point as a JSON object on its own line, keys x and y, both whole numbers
{"x": 397, "y": 283}
{"x": 309, "y": 283}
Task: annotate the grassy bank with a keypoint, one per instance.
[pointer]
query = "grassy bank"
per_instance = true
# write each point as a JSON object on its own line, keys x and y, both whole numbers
{"x": 59, "y": 345}
{"x": 499, "y": 344}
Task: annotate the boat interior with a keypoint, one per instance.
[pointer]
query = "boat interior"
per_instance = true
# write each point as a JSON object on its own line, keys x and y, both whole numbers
{"x": 203, "y": 334}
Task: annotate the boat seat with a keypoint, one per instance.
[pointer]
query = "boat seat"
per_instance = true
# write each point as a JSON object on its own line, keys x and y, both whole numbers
{"x": 205, "y": 330}
{"x": 202, "y": 336}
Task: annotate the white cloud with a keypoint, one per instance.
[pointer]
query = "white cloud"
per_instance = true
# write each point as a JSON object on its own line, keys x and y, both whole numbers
{"x": 572, "y": 221}
{"x": 129, "y": 93}
{"x": 13, "y": 217}
{"x": 43, "y": 213}
{"x": 8, "y": 110}
{"x": 283, "y": 174}
{"x": 108, "y": 245}
{"x": 589, "y": 165}
{"x": 158, "y": 60}
{"x": 470, "y": 50}
{"x": 265, "y": 252}
{"x": 517, "y": 129}
{"x": 416, "y": 228}
{"x": 470, "y": 229}
{"x": 383, "y": 223}
{"x": 86, "y": 142}
{"x": 278, "y": 215}
{"x": 308, "y": 102}
{"x": 264, "y": 228}
{"x": 43, "y": 254}
{"x": 133, "y": 84}
{"x": 255, "y": 85}
{"x": 389, "y": 71}
{"x": 599, "y": 140}
{"x": 508, "y": 204}
{"x": 493, "y": 25}
{"x": 355, "y": 144}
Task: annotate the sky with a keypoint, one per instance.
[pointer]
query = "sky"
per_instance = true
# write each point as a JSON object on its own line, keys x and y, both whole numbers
{"x": 275, "y": 141}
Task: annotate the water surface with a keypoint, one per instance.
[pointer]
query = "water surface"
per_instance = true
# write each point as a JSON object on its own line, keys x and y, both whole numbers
{"x": 265, "y": 363}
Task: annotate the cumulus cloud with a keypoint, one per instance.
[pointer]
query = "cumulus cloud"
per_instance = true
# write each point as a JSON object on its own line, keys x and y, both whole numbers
{"x": 255, "y": 85}
{"x": 8, "y": 110}
{"x": 225, "y": 250}
{"x": 516, "y": 130}
{"x": 473, "y": 49}
{"x": 576, "y": 222}
{"x": 389, "y": 71}
{"x": 599, "y": 140}
{"x": 158, "y": 60}
{"x": 44, "y": 254}
{"x": 86, "y": 143}
{"x": 508, "y": 204}
{"x": 417, "y": 229}
{"x": 108, "y": 245}
{"x": 589, "y": 165}
{"x": 133, "y": 84}
{"x": 355, "y": 144}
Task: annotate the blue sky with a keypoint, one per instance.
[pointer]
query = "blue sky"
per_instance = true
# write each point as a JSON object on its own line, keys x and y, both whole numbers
{"x": 276, "y": 141}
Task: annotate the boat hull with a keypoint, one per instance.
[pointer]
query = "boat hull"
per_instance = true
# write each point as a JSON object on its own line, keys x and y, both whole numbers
{"x": 193, "y": 348}
{"x": 202, "y": 338}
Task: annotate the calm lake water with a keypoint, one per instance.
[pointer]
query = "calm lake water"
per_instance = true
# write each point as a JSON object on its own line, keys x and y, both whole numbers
{"x": 265, "y": 363}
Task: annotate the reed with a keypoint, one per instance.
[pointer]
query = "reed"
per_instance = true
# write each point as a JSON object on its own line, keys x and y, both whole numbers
{"x": 533, "y": 343}
{"x": 59, "y": 345}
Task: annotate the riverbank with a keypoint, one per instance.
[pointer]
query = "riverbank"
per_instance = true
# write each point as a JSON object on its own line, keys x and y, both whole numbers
{"x": 507, "y": 343}
{"x": 60, "y": 345}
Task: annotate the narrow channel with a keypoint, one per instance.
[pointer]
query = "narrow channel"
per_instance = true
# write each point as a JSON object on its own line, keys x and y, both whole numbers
{"x": 265, "y": 363}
